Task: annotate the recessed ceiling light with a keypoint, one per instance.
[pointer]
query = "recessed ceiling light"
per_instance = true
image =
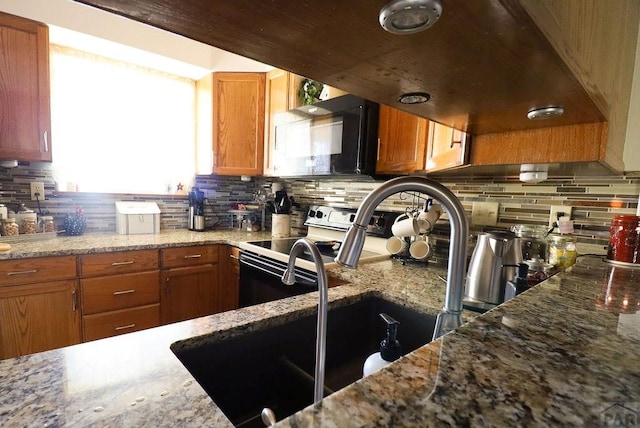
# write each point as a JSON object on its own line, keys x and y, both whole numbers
{"x": 409, "y": 16}
{"x": 545, "y": 112}
{"x": 414, "y": 98}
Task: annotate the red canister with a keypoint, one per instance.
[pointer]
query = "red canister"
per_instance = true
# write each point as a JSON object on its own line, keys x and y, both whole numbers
{"x": 624, "y": 239}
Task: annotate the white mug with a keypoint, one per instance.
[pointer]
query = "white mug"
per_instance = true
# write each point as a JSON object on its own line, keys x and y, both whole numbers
{"x": 420, "y": 250}
{"x": 396, "y": 245}
{"x": 407, "y": 226}
{"x": 431, "y": 216}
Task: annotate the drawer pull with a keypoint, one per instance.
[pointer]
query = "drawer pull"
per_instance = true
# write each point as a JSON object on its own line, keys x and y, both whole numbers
{"x": 130, "y": 262}
{"x": 193, "y": 256}
{"x": 22, "y": 272}
{"x": 119, "y": 293}
{"x": 234, "y": 257}
{"x": 125, "y": 327}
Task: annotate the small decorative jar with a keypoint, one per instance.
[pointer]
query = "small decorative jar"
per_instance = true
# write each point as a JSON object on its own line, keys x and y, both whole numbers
{"x": 562, "y": 251}
{"x": 9, "y": 227}
{"x": 46, "y": 224}
{"x": 28, "y": 226}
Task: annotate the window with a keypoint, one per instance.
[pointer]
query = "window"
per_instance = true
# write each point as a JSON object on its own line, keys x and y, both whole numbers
{"x": 119, "y": 127}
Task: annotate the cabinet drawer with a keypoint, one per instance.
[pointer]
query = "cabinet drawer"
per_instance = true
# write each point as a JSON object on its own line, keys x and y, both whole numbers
{"x": 109, "y": 324}
{"x": 24, "y": 271}
{"x": 118, "y": 262}
{"x": 189, "y": 256}
{"x": 120, "y": 291}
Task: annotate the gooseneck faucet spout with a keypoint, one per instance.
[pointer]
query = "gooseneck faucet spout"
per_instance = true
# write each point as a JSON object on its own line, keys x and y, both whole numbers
{"x": 450, "y": 317}
{"x": 323, "y": 290}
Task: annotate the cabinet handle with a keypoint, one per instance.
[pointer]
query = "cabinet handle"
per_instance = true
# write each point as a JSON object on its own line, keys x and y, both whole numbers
{"x": 45, "y": 137}
{"x": 193, "y": 256}
{"x": 234, "y": 257}
{"x": 118, "y": 293}
{"x": 74, "y": 301}
{"x": 130, "y": 262}
{"x": 22, "y": 272}
{"x": 125, "y": 327}
{"x": 378, "y": 153}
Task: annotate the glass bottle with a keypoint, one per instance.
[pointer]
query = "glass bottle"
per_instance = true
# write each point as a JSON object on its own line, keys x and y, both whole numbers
{"x": 9, "y": 227}
{"x": 46, "y": 224}
{"x": 562, "y": 251}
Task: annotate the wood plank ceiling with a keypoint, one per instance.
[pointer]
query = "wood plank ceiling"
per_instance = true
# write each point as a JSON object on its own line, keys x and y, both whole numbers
{"x": 484, "y": 63}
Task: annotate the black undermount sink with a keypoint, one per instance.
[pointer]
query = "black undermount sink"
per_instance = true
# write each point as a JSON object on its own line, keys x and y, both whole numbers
{"x": 274, "y": 367}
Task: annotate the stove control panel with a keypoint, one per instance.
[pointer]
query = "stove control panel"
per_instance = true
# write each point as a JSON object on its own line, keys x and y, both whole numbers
{"x": 341, "y": 218}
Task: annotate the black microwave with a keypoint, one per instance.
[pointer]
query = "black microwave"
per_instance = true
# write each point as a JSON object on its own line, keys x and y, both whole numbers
{"x": 328, "y": 138}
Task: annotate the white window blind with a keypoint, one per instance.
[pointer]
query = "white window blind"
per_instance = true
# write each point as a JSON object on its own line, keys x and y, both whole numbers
{"x": 119, "y": 127}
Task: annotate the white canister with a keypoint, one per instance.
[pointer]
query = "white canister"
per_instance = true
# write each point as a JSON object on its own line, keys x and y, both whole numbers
{"x": 3, "y": 211}
{"x": 280, "y": 225}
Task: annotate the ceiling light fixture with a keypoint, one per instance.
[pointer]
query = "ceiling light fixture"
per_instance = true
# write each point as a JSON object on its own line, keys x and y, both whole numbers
{"x": 550, "y": 112}
{"x": 414, "y": 98}
{"x": 409, "y": 16}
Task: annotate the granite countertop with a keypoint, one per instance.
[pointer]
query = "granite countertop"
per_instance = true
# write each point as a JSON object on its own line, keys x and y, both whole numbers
{"x": 556, "y": 355}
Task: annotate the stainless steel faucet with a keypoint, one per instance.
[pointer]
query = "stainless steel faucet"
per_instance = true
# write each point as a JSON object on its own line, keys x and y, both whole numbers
{"x": 323, "y": 290}
{"x": 450, "y": 317}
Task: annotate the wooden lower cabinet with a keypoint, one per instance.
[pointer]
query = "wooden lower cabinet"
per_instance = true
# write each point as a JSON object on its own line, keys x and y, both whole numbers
{"x": 190, "y": 286}
{"x": 38, "y": 317}
{"x": 229, "y": 278}
{"x": 120, "y": 293}
{"x": 113, "y": 323}
{"x": 189, "y": 292}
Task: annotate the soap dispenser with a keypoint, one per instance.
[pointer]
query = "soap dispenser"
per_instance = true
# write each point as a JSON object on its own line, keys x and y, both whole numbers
{"x": 389, "y": 348}
{"x": 519, "y": 283}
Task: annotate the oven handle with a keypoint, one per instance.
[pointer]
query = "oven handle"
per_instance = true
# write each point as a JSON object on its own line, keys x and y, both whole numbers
{"x": 260, "y": 268}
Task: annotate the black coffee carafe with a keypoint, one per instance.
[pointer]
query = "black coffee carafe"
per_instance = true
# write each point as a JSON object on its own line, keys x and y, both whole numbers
{"x": 196, "y": 210}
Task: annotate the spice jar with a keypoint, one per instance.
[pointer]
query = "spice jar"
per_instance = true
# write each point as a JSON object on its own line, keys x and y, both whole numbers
{"x": 28, "y": 226}
{"x": 46, "y": 224}
{"x": 562, "y": 251}
{"x": 9, "y": 227}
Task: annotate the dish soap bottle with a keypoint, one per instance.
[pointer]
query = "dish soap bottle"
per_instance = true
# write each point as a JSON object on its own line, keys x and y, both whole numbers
{"x": 518, "y": 284}
{"x": 389, "y": 348}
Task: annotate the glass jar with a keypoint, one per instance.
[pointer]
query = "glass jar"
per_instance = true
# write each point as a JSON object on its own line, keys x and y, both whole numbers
{"x": 532, "y": 238}
{"x": 9, "y": 227}
{"x": 28, "y": 226}
{"x": 562, "y": 251}
{"x": 46, "y": 224}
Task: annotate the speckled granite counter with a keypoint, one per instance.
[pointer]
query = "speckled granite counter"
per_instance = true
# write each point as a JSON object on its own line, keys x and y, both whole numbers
{"x": 550, "y": 357}
{"x": 102, "y": 242}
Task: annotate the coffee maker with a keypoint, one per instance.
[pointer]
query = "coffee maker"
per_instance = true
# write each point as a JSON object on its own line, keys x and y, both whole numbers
{"x": 196, "y": 209}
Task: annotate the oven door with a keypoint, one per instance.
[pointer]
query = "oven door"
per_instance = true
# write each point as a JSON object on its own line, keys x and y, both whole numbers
{"x": 261, "y": 280}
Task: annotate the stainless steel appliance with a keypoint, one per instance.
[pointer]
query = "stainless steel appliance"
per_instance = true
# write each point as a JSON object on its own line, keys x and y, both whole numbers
{"x": 332, "y": 137}
{"x": 487, "y": 275}
{"x": 196, "y": 210}
{"x": 262, "y": 263}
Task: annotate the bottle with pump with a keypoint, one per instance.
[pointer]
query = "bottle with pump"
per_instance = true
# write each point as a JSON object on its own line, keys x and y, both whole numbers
{"x": 519, "y": 283}
{"x": 389, "y": 348}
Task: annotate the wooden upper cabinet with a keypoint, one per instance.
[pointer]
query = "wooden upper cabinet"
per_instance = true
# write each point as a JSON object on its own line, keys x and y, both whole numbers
{"x": 279, "y": 98}
{"x": 25, "y": 112}
{"x": 447, "y": 148}
{"x": 402, "y": 141}
{"x": 238, "y": 123}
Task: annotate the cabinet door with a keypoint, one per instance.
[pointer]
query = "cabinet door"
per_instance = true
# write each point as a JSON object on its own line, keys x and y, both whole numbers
{"x": 229, "y": 278}
{"x": 447, "y": 148}
{"x": 402, "y": 141}
{"x": 38, "y": 317}
{"x": 189, "y": 292}
{"x": 238, "y": 123}
{"x": 25, "y": 117}
{"x": 278, "y": 101}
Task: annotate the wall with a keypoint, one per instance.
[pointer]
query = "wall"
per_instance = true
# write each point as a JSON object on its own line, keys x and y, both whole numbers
{"x": 594, "y": 199}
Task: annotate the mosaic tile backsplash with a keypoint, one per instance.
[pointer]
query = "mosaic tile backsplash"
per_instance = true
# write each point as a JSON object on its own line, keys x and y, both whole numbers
{"x": 594, "y": 200}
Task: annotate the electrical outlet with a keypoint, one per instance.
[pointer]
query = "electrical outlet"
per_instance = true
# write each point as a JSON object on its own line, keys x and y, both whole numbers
{"x": 37, "y": 187}
{"x": 558, "y": 211}
{"x": 485, "y": 213}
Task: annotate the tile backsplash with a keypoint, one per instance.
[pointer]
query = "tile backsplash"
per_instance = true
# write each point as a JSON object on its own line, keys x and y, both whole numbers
{"x": 594, "y": 200}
